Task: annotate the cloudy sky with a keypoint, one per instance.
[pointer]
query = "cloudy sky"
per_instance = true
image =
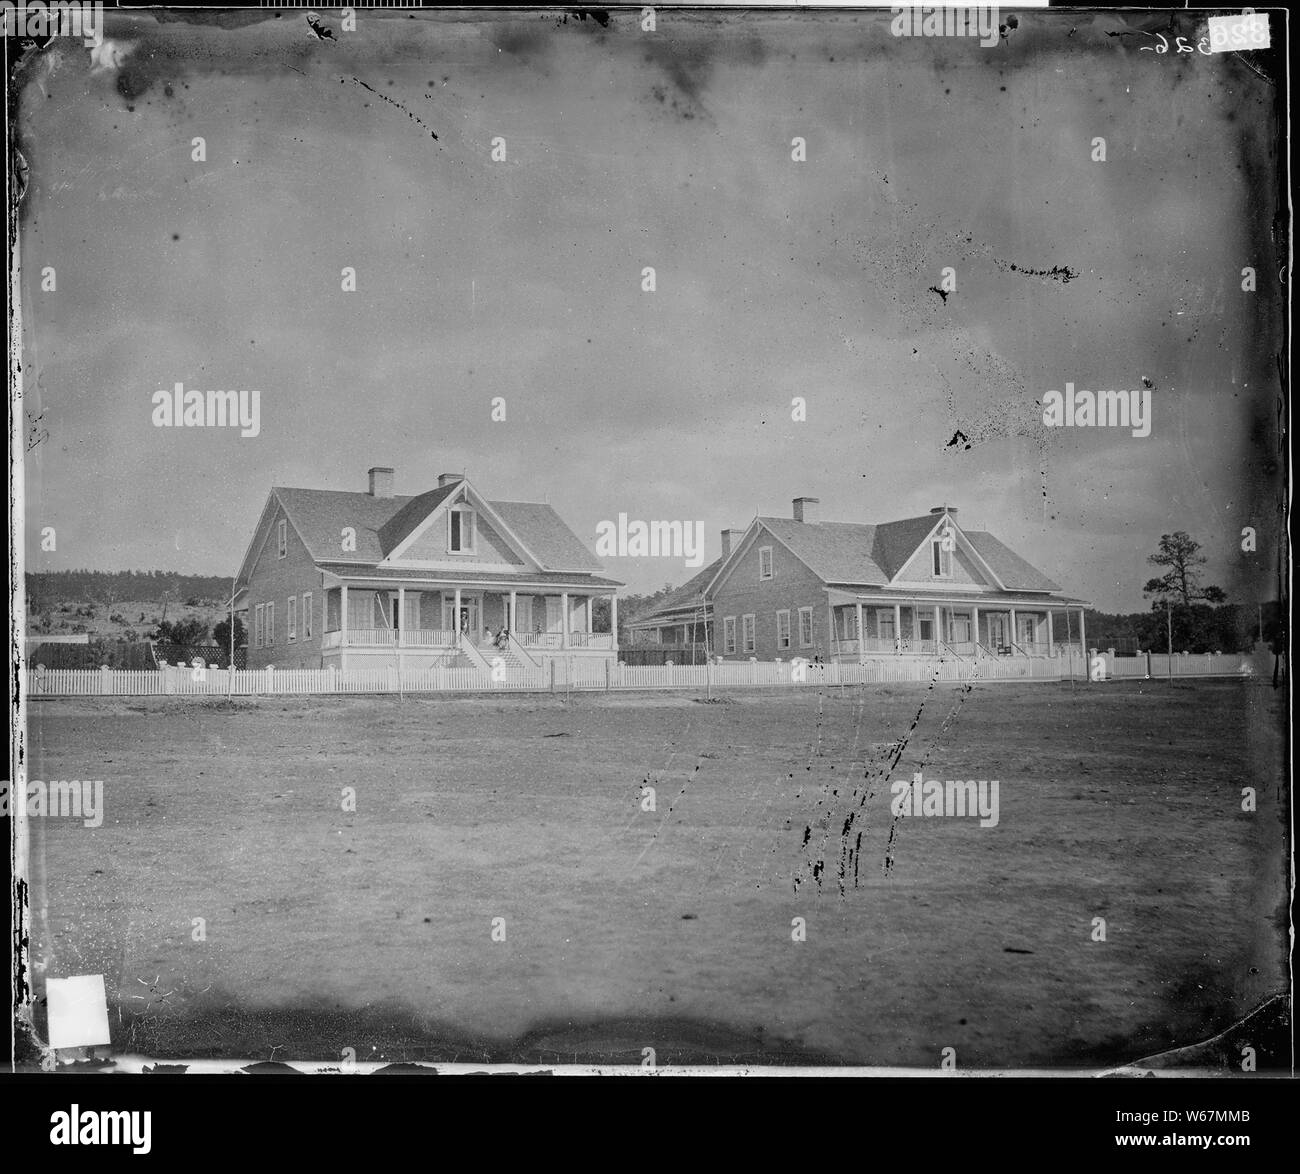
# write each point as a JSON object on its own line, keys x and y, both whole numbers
{"x": 522, "y": 277}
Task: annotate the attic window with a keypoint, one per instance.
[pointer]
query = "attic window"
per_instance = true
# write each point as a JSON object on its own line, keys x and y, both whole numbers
{"x": 460, "y": 530}
{"x": 765, "y": 562}
{"x": 282, "y": 539}
{"x": 941, "y": 557}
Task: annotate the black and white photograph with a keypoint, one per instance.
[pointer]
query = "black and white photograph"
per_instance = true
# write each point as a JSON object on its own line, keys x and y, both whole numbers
{"x": 649, "y": 541}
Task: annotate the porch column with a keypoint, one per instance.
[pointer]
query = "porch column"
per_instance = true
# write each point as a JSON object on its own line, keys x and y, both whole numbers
{"x": 588, "y": 614}
{"x": 455, "y": 615}
{"x": 564, "y": 619}
{"x": 830, "y": 628}
{"x": 1051, "y": 642}
{"x": 343, "y": 616}
{"x": 975, "y": 621}
{"x": 613, "y": 620}
{"x": 861, "y": 642}
{"x": 511, "y": 621}
{"x": 401, "y": 616}
{"x": 1013, "y": 627}
{"x": 898, "y": 629}
{"x": 938, "y": 629}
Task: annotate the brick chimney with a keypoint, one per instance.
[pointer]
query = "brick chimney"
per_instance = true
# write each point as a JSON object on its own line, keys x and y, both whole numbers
{"x": 730, "y": 538}
{"x": 381, "y": 482}
{"x": 805, "y": 509}
{"x": 449, "y": 478}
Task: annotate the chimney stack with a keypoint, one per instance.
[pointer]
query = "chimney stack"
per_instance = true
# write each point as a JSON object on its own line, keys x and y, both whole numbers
{"x": 449, "y": 478}
{"x": 381, "y": 482}
{"x": 730, "y": 538}
{"x": 805, "y": 509}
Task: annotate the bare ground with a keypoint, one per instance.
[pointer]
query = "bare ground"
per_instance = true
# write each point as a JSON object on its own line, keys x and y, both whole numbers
{"x": 329, "y": 929}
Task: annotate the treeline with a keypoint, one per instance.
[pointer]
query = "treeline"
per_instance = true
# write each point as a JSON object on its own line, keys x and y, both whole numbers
{"x": 111, "y": 586}
{"x": 1199, "y": 627}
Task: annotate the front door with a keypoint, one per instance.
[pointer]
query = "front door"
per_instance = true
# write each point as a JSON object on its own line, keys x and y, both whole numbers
{"x": 467, "y": 621}
{"x": 1028, "y": 625}
{"x": 997, "y": 631}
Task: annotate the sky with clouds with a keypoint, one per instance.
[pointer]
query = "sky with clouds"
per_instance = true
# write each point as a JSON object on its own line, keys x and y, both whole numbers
{"x": 521, "y": 278}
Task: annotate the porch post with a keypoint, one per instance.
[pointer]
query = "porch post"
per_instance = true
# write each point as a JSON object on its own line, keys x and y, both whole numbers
{"x": 613, "y": 620}
{"x": 588, "y": 614}
{"x": 343, "y": 616}
{"x": 938, "y": 629}
{"x": 830, "y": 628}
{"x": 975, "y": 621}
{"x": 861, "y": 641}
{"x": 511, "y": 621}
{"x": 455, "y": 615}
{"x": 898, "y": 629}
{"x": 401, "y": 616}
{"x": 1014, "y": 637}
{"x": 564, "y": 617}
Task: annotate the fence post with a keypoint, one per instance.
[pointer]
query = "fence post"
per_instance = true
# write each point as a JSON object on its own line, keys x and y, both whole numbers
{"x": 551, "y": 662}
{"x": 668, "y": 664}
{"x": 1148, "y": 664}
{"x": 607, "y": 674}
{"x": 104, "y": 682}
{"x": 270, "y": 678}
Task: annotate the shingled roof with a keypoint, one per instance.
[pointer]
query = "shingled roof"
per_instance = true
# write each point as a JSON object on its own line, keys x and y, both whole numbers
{"x": 856, "y": 554}
{"x": 381, "y": 523}
{"x": 684, "y": 598}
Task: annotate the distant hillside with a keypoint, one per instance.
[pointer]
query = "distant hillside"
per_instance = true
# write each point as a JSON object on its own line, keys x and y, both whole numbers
{"x": 108, "y": 587}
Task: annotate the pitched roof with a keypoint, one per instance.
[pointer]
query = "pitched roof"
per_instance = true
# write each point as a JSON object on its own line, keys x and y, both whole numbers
{"x": 837, "y": 552}
{"x": 685, "y": 596}
{"x": 1015, "y": 573}
{"x": 858, "y": 554}
{"x": 319, "y": 516}
{"x": 412, "y": 514}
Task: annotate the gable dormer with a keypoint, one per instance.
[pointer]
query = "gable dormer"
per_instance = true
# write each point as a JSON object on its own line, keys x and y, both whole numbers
{"x": 946, "y": 557}
{"x": 454, "y": 527}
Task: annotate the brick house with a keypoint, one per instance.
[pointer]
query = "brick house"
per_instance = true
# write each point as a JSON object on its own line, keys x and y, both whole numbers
{"x": 373, "y": 580}
{"x": 850, "y": 591}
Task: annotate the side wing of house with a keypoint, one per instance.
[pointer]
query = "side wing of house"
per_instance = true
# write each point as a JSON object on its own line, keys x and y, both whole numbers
{"x": 767, "y": 602}
{"x": 282, "y": 590}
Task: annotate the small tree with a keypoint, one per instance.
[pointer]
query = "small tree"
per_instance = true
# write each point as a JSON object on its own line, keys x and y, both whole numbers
{"x": 221, "y": 634}
{"x": 1181, "y": 583}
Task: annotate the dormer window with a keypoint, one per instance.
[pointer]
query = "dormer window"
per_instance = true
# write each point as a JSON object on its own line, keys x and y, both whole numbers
{"x": 941, "y": 557}
{"x": 460, "y": 530}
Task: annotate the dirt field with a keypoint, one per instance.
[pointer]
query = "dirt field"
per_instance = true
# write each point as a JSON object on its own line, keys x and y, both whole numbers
{"x": 624, "y": 929}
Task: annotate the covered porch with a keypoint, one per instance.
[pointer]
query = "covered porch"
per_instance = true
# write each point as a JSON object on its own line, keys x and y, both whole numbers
{"x": 411, "y": 618}
{"x": 862, "y": 628}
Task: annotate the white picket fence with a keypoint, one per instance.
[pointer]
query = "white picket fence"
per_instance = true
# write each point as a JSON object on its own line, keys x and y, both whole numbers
{"x": 1160, "y": 665}
{"x": 562, "y": 674}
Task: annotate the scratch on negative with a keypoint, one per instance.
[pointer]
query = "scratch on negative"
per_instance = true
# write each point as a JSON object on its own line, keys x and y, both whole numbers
{"x": 409, "y": 114}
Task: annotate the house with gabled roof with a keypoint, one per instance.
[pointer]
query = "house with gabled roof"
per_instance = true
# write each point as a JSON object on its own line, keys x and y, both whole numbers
{"x": 377, "y": 580}
{"x": 852, "y": 591}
